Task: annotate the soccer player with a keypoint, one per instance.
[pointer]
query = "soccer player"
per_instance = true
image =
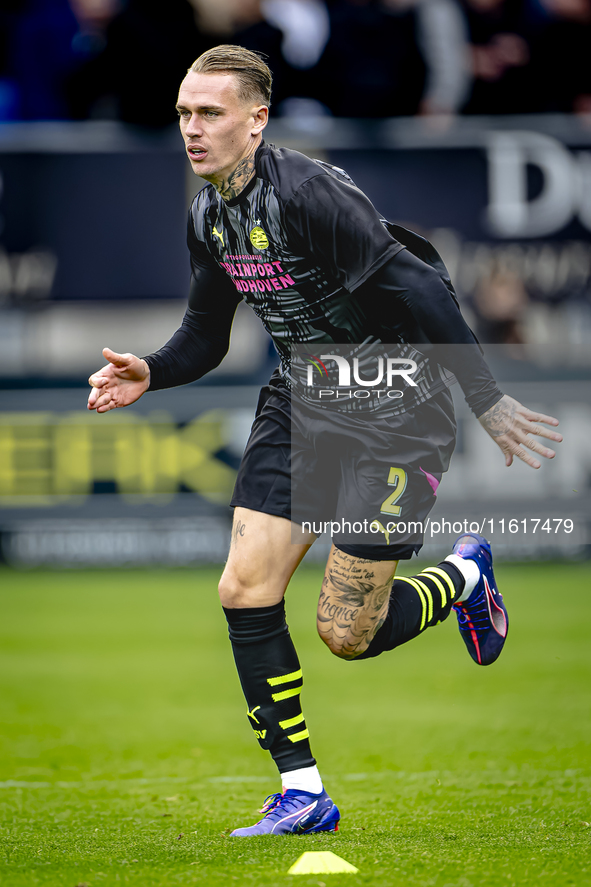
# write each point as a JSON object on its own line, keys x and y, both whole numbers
{"x": 309, "y": 253}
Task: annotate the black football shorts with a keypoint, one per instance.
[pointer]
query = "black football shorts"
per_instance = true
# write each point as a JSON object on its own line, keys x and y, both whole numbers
{"x": 369, "y": 483}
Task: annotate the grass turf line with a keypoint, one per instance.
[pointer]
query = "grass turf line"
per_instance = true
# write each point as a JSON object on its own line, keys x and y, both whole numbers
{"x": 126, "y": 755}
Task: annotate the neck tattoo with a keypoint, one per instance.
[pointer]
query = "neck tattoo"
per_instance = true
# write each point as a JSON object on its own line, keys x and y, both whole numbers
{"x": 239, "y": 178}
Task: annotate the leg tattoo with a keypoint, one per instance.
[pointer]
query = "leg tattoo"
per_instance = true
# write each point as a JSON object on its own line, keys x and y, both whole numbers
{"x": 238, "y": 531}
{"x": 353, "y": 603}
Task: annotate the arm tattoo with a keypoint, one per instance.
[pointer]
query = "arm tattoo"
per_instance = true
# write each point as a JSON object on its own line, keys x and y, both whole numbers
{"x": 353, "y": 604}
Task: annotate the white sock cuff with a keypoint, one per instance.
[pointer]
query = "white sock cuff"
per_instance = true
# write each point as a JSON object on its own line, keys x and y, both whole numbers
{"x": 307, "y": 779}
{"x": 469, "y": 570}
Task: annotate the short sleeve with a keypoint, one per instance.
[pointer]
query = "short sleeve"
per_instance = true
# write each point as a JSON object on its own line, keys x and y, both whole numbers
{"x": 339, "y": 226}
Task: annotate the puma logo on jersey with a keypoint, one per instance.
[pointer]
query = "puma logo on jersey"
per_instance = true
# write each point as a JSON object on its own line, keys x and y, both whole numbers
{"x": 219, "y": 234}
{"x": 251, "y": 714}
{"x": 382, "y": 529}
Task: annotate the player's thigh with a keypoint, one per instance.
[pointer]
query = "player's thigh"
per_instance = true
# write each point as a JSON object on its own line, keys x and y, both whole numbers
{"x": 353, "y": 602}
{"x": 261, "y": 561}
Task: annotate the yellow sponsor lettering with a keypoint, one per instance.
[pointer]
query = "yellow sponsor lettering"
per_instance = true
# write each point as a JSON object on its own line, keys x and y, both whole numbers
{"x": 47, "y": 457}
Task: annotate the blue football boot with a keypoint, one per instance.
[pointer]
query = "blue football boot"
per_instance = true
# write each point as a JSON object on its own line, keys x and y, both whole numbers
{"x": 294, "y": 813}
{"x": 482, "y": 619}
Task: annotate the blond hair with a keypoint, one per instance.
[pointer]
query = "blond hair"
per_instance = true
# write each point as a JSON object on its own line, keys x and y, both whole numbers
{"x": 252, "y": 74}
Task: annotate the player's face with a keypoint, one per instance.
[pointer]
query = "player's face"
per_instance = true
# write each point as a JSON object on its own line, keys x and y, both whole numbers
{"x": 218, "y": 128}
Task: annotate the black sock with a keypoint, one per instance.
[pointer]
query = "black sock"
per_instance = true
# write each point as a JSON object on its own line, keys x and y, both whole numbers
{"x": 271, "y": 678}
{"x": 416, "y": 603}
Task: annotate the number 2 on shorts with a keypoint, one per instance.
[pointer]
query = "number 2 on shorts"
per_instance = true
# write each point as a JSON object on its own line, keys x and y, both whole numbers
{"x": 397, "y": 479}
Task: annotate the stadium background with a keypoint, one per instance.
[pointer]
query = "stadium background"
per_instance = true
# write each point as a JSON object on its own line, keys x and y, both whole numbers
{"x": 466, "y": 120}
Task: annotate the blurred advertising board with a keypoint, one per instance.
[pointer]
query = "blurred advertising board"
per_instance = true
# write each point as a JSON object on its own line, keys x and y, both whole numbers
{"x": 149, "y": 484}
{"x": 98, "y": 211}
{"x": 90, "y": 211}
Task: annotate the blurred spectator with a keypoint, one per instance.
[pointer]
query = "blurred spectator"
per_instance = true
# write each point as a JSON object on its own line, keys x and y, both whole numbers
{"x": 372, "y": 66}
{"x": 94, "y": 15}
{"x": 500, "y": 34}
{"x": 394, "y": 57}
{"x": 292, "y": 34}
{"x": 214, "y": 17}
{"x": 305, "y": 27}
{"x": 148, "y": 47}
{"x": 252, "y": 30}
{"x": 40, "y": 50}
{"x": 353, "y": 58}
{"x": 562, "y": 57}
{"x": 443, "y": 40}
{"x": 500, "y": 304}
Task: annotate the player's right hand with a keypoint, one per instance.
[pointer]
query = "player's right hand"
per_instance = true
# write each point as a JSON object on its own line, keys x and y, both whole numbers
{"x": 121, "y": 382}
{"x": 511, "y": 425}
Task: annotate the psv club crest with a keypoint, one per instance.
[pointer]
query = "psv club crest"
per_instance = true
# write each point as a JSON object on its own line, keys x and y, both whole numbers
{"x": 258, "y": 238}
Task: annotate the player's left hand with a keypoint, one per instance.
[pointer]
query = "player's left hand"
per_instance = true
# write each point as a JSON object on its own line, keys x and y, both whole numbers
{"x": 510, "y": 425}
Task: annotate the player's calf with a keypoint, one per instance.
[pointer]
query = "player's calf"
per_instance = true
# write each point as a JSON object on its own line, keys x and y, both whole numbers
{"x": 392, "y": 613}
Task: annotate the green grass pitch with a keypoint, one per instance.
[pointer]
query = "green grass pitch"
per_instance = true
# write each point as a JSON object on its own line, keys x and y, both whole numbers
{"x": 126, "y": 755}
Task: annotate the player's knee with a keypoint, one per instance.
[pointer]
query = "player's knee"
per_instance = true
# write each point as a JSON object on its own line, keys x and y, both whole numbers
{"x": 338, "y": 644}
{"x": 239, "y": 588}
{"x": 234, "y": 591}
{"x": 342, "y": 652}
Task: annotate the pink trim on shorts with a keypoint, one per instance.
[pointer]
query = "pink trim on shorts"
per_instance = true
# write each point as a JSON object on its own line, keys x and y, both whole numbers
{"x": 433, "y": 482}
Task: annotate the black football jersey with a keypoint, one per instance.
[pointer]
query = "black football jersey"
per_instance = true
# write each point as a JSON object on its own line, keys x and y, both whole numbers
{"x": 297, "y": 243}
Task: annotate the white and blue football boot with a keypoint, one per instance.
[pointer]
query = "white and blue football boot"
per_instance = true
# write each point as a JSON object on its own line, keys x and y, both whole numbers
{"x": 294, "y": 813}
{"x": 482, "y": 618}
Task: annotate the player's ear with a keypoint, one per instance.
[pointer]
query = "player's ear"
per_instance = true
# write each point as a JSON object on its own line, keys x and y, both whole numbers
{"x": 260, "y": 119}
